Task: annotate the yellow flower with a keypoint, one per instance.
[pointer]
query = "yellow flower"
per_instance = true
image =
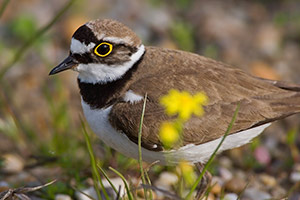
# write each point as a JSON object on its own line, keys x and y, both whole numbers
{"x": 187, "y": 172}
{"x": 184, "y": 104}
{"x": 168, "y": 134}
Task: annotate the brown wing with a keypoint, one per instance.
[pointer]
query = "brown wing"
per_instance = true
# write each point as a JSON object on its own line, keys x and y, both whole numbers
{"x": 261, "y": 101}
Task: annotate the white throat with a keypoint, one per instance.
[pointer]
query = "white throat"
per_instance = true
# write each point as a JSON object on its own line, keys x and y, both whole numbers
{"x": 102, "y": 73}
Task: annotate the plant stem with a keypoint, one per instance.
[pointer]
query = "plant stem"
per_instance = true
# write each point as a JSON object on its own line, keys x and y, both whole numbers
{"x": 107, "y": 178}
{"x": 149, "y": 183}
{"x": 140, "y": 147}
{"x": 96, "y": 175}
{"x": 189, "y": 195}
{"x": 125, "y": 183}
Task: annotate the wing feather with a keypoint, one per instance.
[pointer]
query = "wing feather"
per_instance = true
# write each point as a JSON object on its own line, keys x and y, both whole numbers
{"x": 261, "y": 101}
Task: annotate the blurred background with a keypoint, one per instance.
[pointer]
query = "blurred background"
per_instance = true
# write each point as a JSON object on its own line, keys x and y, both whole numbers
{"x": 41, "y": 135}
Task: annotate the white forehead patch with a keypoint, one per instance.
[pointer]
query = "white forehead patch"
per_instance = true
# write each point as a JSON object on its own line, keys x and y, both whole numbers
{"x": 79, "y": 47}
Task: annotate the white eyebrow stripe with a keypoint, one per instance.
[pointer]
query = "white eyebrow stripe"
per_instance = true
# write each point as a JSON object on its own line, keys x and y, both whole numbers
{"x": 79, "y": 47}
{"x": 117, "y": 40}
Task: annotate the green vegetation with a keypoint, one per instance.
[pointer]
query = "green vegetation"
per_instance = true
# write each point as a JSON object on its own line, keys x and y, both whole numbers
{"x": 63, "y": 143}
{"x": 182, "y": 33}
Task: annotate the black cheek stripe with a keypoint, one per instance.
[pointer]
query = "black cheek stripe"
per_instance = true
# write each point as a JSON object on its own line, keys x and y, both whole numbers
{"x": 83, "y": 58}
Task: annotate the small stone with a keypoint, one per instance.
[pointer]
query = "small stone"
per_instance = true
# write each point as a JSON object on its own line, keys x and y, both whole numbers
{"x": 268, "y": 180}
{"x": 117, "y": 182}
{"x": 217, "y": 179}
{"x": 231, "y": 196}
{"x": 240, "y": 174}
{"x": 216, "y": 188}
{"x": 21, "y": 177}
{"x": 12, "y": 163}
{"x": 295, "y": 176}
{"x": 140, "y": 193}
{"x": 210, "y": 197}
{"x": 235, "y": 185}
{"x": 62, "y": 197}
{"x": 165, "y": 181}
{"x": 278, "y": 192}
{"x": 255, "y": 194}
{"x": 225, "y": 162}
{"x": 225, "y": 174}
{"x": 3, "y": 186}
{"x": 89, "y": 191}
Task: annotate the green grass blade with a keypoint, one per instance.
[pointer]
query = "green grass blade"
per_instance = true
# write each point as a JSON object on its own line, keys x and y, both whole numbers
{"x": 148, "y": 178}
{"x": 125, "y": 182}
{"x": 96, "y": 175}
{"x": 149, "y": 183}
{"x": 140, "y": 147}
{"x": 189, "y": 195}
{"x": 107, "y": 178}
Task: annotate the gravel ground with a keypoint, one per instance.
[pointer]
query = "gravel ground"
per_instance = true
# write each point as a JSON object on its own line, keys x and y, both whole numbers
{"x": 260, "y": 37}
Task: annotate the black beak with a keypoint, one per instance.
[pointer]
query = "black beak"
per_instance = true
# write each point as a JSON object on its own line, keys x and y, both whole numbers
{"x": 68, "y": 63}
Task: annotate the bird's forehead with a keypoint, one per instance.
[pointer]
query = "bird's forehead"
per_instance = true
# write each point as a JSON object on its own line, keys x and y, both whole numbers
{"x": 93, "y": 32}
{"x": 113, "y": 31}
{"x": 97, "y": 30}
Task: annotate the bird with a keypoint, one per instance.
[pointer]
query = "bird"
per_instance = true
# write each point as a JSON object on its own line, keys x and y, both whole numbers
{"x": 116, "y": 71}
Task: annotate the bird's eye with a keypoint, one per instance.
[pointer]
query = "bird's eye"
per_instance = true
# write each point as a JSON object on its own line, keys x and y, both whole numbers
{"x": 103, "y": 49}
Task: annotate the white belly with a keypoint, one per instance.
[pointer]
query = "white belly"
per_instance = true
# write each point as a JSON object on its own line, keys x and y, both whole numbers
{"x": 99, "y": 123}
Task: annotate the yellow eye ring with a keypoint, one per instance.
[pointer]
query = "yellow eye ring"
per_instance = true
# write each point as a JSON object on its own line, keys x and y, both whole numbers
{"x": 105, "y": 49}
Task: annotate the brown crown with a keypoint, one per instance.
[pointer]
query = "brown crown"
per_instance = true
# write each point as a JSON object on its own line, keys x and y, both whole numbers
{"x": 111, "y": 28}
